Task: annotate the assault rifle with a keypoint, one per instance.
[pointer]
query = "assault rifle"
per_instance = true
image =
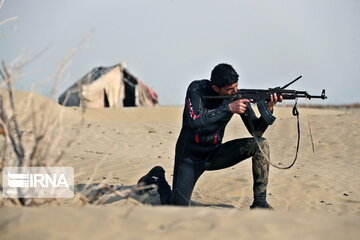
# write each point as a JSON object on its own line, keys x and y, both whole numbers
{"x": 261, "y": 97}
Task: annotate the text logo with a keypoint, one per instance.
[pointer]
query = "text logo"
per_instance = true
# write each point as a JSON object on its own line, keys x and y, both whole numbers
{"x": 38, "y": 182}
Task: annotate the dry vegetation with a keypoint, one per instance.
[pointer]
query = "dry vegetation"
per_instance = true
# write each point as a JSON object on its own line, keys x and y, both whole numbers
{"x": 38, "y": 123}
{"x": 42, "y": 128}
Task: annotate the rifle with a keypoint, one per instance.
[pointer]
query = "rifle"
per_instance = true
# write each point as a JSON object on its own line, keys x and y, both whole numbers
{"x": 262, "y": 96}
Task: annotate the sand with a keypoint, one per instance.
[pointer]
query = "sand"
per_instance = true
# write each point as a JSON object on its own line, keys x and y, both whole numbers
{"x": 319, "y": 198}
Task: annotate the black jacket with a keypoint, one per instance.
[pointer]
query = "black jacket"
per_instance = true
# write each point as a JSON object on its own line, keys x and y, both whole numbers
{"x": 204, "y": 121}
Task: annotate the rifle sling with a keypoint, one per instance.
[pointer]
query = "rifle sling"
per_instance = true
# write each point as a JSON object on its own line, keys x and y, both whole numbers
{"x": 252, "y": 128}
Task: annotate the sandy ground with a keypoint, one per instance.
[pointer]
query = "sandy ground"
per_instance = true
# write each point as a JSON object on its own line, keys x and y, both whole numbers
{"x": 319, "y": 198}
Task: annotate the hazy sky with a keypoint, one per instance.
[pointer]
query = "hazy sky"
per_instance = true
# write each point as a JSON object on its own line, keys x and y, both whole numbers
{"x": 168, "y": 43}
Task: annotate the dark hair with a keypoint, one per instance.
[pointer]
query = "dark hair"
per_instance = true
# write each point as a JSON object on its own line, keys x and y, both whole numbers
{"x": 223, "y": 74}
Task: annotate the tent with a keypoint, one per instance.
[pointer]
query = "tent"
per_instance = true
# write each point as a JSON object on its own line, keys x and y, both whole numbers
{"x": 112, "y": 86}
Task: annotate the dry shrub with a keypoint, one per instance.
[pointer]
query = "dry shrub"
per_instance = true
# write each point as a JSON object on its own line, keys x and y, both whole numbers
{"x": 31, "y": 131}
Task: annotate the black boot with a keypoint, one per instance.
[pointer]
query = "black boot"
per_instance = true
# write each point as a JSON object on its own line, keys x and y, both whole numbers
{"x": 152, "y": 177}
{"x": 261, "y": 203}
{"x": 156, "y": 176}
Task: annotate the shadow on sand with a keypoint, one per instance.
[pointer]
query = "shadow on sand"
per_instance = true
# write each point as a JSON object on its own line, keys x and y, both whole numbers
{"x": 95, "y": 193}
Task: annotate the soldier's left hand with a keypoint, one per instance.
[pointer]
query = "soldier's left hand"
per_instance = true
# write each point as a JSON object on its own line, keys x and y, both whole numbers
{"x": 273, "y": 100}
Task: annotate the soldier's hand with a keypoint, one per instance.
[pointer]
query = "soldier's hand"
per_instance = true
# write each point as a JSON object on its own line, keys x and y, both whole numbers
{"x": 239, "y": 106}
{"x": 273, "y": 101}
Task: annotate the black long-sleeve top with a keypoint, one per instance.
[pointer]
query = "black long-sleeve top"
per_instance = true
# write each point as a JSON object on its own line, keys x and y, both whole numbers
{"x": 204, "y": 121}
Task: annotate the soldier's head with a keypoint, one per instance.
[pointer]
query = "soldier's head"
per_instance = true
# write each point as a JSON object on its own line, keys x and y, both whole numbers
{"x": 224, "y": 79}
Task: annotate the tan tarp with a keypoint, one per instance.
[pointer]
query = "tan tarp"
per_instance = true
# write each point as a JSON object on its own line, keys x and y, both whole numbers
{"x": 110, "y": 83}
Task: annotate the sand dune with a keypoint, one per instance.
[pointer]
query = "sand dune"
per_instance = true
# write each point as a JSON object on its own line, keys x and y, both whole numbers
{"x": 173, "y": 223}
{"x": 319, "y": 198}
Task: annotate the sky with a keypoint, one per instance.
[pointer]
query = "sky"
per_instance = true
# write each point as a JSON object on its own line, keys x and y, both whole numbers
{"x": 169, "y": 43}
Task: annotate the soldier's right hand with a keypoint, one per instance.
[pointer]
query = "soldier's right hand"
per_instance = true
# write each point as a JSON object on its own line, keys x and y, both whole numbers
{"x": 239, "y": 106}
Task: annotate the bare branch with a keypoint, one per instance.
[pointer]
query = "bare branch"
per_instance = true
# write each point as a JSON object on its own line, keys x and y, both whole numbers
{"x": 19, "y": 63}
{"x": 16, "y": 139}
{"x": 46, "y": 124}
{"x": 8, "y": 20}
{"x": 65, "y": 62}
{"x": 1, "y": 3}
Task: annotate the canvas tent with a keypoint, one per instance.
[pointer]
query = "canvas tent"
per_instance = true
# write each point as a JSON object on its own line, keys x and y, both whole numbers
{"x": 109, "y": 87}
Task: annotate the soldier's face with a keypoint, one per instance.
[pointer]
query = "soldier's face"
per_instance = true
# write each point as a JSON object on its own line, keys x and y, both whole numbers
{"x": 226, "y": 90}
